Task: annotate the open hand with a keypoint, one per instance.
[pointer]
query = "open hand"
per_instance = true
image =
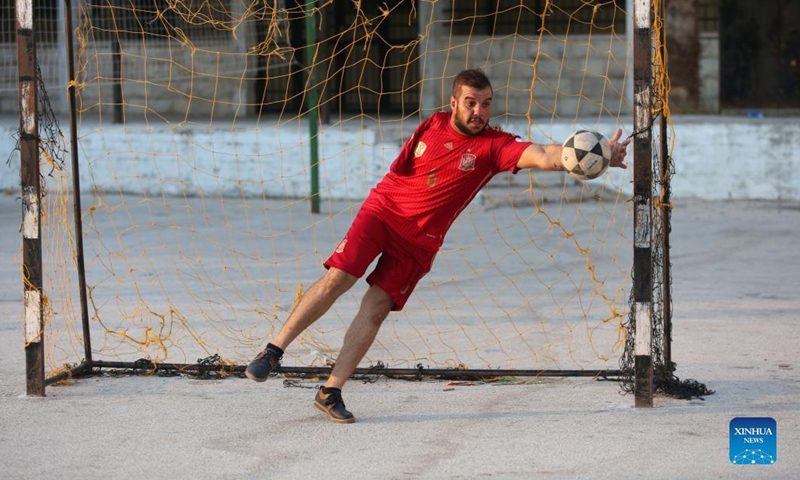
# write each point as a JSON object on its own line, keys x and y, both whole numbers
{"x": 619, "y": 150}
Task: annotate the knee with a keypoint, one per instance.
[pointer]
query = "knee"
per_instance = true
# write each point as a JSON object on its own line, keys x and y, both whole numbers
{"x": 337, "y": 282}
{"x": 377, "y": 305}
{"x": 378, "y": 317}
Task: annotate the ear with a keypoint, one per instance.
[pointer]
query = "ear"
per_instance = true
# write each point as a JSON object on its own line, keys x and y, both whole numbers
{"x": 453, "y": 103}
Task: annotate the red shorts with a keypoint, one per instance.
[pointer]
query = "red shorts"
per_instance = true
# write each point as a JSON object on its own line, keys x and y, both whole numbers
{"x": 400, "y": 267}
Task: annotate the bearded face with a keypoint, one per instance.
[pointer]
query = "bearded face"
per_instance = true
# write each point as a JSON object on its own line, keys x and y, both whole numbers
{"x": 471, "y": 110}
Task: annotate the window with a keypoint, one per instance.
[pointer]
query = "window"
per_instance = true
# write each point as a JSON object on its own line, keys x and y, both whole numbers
{"x": 45, "y": 17}
{"x": 708, "y": 16}
{"x": 157, "y": 19}
{"x": 525, "y": 17}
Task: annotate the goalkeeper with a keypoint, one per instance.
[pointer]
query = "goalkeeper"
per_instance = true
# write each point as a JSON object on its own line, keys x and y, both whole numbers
{"x": 404, "y": 219}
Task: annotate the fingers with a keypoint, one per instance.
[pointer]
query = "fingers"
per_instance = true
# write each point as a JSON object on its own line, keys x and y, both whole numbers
{"x": 620, "y": 150}
{"x": 616, "y": 136}
{"x": 623, "y": 152}
{"x": 619, "y": 161}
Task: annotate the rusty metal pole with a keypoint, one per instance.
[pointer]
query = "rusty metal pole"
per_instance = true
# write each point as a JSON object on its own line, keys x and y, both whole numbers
{"x": 31, "y": 199}
{"x": 643, "y": 203}
{"x": 665, "y": 205}
{"x": 76, "y": 186}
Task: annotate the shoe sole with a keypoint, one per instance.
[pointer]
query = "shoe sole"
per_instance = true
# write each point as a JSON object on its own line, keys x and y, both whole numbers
{"x": 253, "y": 377}
{"x": 331, "y": 417}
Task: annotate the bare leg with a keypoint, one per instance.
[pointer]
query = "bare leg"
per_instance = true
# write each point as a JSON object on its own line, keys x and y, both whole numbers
{"x": 375, "y": 307}
{"x": 316, "y": 301}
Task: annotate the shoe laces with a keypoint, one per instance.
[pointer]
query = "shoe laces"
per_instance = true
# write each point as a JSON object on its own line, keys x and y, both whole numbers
{"x": 268, "y": 353}
{"x": 333, "y": 398}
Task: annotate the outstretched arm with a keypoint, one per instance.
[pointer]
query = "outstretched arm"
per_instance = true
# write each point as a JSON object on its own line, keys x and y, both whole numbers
{"x": 541, "y": 157}
{"x": 548, "y": 157}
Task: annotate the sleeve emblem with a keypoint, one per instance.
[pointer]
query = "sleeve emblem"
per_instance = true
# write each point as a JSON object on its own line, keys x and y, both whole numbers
{"x": 420, "y": 150}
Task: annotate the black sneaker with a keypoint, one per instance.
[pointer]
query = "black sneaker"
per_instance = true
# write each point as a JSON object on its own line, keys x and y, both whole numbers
{"x": 332, "y": 404}
{"x": 263, "y": 364}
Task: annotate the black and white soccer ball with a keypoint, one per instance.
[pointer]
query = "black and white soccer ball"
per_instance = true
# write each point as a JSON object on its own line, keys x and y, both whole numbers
{"x": 586, "y": 155}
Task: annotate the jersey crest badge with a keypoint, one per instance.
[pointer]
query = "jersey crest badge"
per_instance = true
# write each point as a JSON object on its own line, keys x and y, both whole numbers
{"x": 448, "y": 145}
{"x": 341, "y": 246}
{"x": 420, "y": 150}
{"x": 467, "y": 162}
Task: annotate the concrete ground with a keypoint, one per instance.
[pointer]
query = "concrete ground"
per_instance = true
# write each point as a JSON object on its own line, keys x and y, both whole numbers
{"x": 736, "y": 329}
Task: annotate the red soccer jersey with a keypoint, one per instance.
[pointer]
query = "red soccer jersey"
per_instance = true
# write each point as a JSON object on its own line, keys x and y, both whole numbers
{"x": 438, "y": 172}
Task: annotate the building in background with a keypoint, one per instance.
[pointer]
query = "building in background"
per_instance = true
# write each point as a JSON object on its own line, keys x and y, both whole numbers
{"x": 398, "y": 57}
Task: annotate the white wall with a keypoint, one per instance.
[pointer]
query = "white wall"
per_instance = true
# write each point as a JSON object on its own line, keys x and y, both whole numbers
{"x": 737, "y": 158}
{"x": 715, "y": 158}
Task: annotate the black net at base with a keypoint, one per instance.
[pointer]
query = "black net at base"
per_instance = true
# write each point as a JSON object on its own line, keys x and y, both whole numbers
{"x": 665, "y": 381}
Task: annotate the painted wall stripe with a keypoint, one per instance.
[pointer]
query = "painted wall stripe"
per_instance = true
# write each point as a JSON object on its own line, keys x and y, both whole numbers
{"x": 33, "y": 323}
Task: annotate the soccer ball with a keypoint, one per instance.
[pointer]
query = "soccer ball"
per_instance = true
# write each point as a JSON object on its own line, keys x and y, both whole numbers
{"x": 586, "y": 155}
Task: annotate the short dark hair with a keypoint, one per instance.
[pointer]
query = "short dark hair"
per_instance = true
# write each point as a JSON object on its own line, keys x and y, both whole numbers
{"x": 473, "y": 78}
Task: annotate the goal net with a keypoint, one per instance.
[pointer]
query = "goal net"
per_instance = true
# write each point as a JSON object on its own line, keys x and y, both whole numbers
{"x": 210, "y": 132}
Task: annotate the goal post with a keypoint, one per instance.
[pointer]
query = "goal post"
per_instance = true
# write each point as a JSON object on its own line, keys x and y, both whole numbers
{"x": 219, "y": 155}
{"x": 642, "y": 292}
{"x": 31, "y": 199}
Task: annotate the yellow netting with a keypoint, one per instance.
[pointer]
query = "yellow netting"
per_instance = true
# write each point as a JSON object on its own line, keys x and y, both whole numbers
{"x": 195, "y": 152}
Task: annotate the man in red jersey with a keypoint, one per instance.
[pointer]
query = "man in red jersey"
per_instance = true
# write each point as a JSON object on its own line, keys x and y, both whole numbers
{"x": 445, "y": 163}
